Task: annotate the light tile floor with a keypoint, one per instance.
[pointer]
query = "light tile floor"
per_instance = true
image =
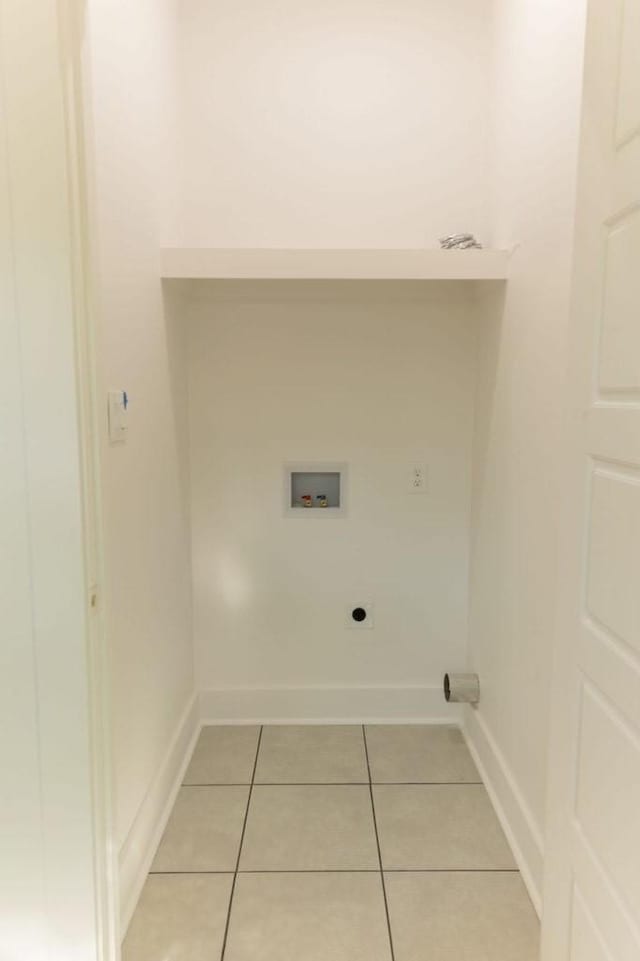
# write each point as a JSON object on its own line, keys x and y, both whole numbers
{"x": 333, "y": 843}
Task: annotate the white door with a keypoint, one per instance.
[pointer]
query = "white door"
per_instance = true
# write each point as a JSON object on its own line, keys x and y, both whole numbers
{"x": 592, "y": 885}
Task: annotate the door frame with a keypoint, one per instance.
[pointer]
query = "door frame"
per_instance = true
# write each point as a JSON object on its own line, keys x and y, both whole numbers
{"x": 51, "y": 310}
{"x": 73, "y": 15}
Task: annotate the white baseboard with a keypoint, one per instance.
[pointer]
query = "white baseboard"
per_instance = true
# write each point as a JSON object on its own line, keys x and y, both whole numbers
{"x": 138, "y": 850}
{"x": 328, "y": 705}
{"x": 519, "y": 825}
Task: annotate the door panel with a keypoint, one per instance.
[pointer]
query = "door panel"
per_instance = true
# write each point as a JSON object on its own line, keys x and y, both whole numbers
{"x": 614, "y": 550}
{"x": 608, "y": 791}
{"x": 620, "y": 336}
{"x": 628, "y": 106}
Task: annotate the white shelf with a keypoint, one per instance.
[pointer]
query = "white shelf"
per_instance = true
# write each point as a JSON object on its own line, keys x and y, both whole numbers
{"x": 212, "y": 263}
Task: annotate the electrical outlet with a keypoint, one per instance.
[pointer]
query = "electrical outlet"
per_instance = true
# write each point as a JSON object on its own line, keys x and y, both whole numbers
{"x": 418, "y": 479}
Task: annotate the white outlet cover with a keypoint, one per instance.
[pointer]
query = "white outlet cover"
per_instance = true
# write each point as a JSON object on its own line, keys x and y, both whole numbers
{"x": 367, "y": 624}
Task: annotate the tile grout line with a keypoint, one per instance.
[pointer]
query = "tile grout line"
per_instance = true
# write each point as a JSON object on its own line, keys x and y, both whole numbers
{"x": 244, "y": 827}
{"x": 343, "y": 871}
{"x": 337, "y": 784}
{"x": 375, "y": 828}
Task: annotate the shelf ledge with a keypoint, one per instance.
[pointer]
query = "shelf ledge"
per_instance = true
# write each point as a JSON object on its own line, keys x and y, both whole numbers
{"x": 213, "y": 263}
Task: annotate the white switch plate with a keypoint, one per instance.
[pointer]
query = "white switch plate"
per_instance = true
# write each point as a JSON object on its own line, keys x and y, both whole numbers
{"x": 117, "y": 409}
{"x": 417, "y": 482}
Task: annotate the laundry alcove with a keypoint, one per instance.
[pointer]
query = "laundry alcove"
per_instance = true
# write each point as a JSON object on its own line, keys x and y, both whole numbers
{"x": 270, "y": 183}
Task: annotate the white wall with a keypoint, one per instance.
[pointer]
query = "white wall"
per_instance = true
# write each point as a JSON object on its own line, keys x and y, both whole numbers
{"x": 348, "y": 123}
{"x": 538, "y": 53}
{"x": 379, "y": 376}
{"x": 140, "y": 349}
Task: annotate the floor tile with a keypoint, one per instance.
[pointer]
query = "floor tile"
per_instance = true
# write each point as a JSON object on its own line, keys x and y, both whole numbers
{"x": 291, "y": 754}
{"x": 179, "y": 918}
{"x": 429, "y": 753}
{"x": 439, "y": 827}
{"x": 308, "y": 917}
{"x": 203, "y": 833}
{"x": 469, "y": 917}
{"x": 224, "y": 755}
{"x": 304, "y": 827}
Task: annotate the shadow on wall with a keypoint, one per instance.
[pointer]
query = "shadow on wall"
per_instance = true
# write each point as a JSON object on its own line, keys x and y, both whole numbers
{"x": 174, "y": 298}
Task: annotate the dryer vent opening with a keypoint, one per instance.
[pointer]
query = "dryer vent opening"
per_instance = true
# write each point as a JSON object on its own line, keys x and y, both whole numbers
{"x": 462, "y": 688}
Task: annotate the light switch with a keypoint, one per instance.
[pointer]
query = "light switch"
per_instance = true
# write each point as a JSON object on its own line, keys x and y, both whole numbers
{"x": 118, "y": 403}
